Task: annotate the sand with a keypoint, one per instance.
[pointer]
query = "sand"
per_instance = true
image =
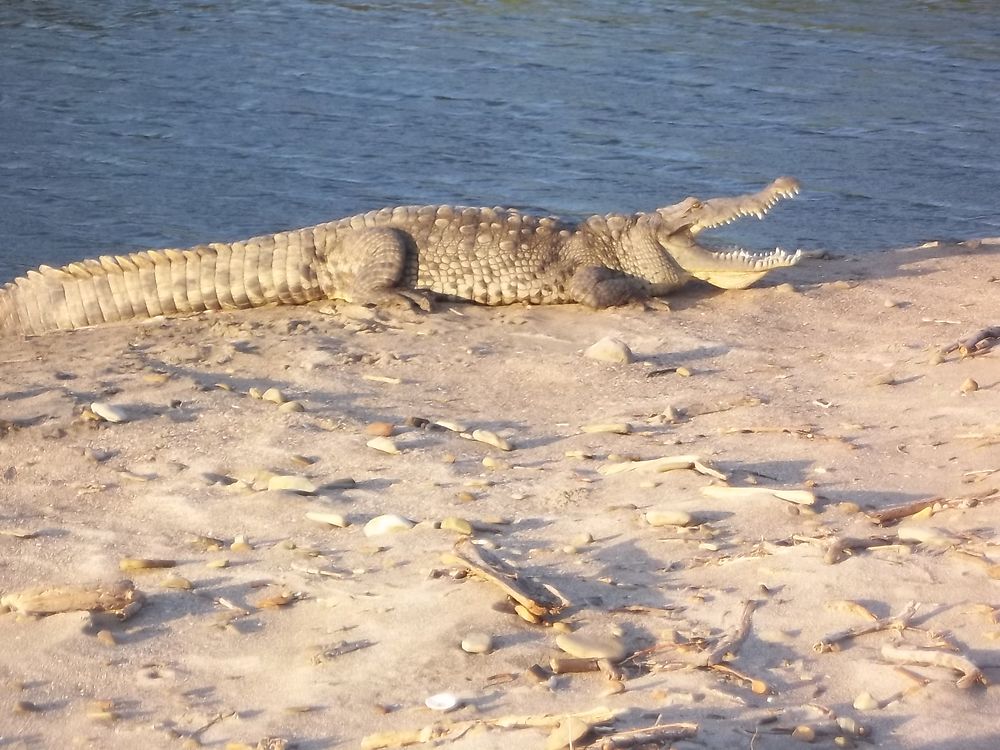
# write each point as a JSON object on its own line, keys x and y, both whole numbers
{"x": 827, "y": 378}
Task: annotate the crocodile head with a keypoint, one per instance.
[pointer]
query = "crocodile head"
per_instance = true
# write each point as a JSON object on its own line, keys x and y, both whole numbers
{"x": 679, "y": 226}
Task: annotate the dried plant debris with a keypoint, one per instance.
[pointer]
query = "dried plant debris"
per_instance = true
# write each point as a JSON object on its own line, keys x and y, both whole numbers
{"x": 971, "y": 674}
{"x": 895, "y": 513}
{"x": 977, "y": 343}
{"x": 563, "y": 725}
{"x": 121, "y": 599}
{"x": 537, "y": 599}
{"x": 894, "y": 622}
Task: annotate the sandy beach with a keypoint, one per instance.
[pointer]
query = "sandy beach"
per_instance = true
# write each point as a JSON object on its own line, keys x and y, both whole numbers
{"x": 228, "y": 466}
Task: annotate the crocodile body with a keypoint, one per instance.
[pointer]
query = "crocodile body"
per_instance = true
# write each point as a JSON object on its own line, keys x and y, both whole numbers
{"x": 492, "y": 256}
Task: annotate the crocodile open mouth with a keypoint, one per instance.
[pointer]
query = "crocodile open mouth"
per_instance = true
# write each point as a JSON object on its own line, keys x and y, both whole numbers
{"x": 736, "y": 268}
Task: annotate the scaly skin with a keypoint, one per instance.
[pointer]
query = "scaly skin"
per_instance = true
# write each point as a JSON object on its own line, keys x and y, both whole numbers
{"x": 492, "y": 256}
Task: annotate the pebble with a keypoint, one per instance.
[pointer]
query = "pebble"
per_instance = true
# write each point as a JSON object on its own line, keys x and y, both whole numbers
{"x": 273, "y": 395}
{"x": 491, "y": 438}
{"x": 332, "y": 519}
{"x": 968, "y": 386}
{"x": 380, "y": 429}
{"x": 143, "y": 563}
{"x": 669, "y": 518}
{"x": 804, "y": 733}
{"x": 568, "y": 733}
{"x": 477, "y": 643}
{"x": 582, "y": 539}
{"x": 610, "y": 349}
{"x": 929, "y": 535}
{"x": 291, "y": 483}
{"x": 291, "y": 406}
{"x": 176, "y": 582}
{"x": 866, "y": 702}
{"x": 456, "y": 524}
{"x": 587, "y": 646}
{"x": 240, "y": 544}
{"x": 449, "y": 425}
{"x": 383, "y": 444}
{"x": 387, "y": 524}
{"x": 108, "y": 413}
{"x": 616, "y": 428}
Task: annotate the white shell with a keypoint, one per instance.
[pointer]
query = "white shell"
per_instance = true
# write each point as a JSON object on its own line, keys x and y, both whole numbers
{"x": 443, "y": 702}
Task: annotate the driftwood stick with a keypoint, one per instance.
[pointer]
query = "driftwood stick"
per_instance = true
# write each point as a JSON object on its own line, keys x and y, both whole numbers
{"x": 536, "y": 597}
{"x": 893, "y": 622}
{"x": 656, "y": 735}
{"x": 897, "y": 512}
{"x": 731, "y": 642}
{"x": 978, "y": 342}
{"x": 971, "y": 674}
{"x": 837, "y": 549}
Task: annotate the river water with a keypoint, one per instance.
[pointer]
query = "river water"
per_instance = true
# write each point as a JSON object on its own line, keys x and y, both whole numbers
{"x": 131, "y": 123}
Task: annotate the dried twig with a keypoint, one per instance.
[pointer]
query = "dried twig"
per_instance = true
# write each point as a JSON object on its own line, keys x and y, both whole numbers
{"x": 837, "y": 549}
{"x": 656, "y": 735}
{"x": 971, "y": 674}
{"x": 727, "y": 646}
{"x": 452, "y": 730}
{"x": 898, "y": 512}
{"x": 537, "y": 598}
{"x": 893, "y": 622}
{"x": 978, "y": 343}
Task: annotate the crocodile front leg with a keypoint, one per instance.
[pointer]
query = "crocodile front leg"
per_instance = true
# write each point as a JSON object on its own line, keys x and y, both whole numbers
{"x": 600, "y": 286}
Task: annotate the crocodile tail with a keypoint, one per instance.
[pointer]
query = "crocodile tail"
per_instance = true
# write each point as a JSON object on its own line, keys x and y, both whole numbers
{"x": 279, "y": 268}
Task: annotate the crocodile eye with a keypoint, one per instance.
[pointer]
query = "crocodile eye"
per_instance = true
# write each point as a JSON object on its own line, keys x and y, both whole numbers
{"x": 695, "y": 204}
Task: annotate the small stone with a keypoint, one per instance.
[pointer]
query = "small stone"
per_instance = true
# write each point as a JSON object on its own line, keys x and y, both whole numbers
{"x": 273, "y": 395}
{"x": 255, "y": 392}
{"x": 587, "y": 646}
{"x": 108, "y": 413}
{"x": 804, "y": 733}
{"x": 240, "y": 544}
{"x": 143, "y": 563}
{"x": 332, "y": 519}
{"x": 491, "y": 438}
{"x": 936, "y": 358}
{"x": 568, "y": 733}
{"x": 616, "y": 428}
{"x": 387, "y": 524}
{"x": 291, "y": 406}
{"x": 683, "y": 372}
{"x": 610, "y": 349}
{"x": 219, "y": 563}
{"x": 669, "y": 518}
{"x": 383, "y": 444}
{"x": 449, "y": 425}
{"x": 968, "y": 386}
{"x": 582, "y": 539}
{"x": 458, "y": 525}
{"x": 107, "y": 638}
{"x": 380, "y": 429}
{"x": 866, "y": 702}
{"x": 291, "y": 483}
{"x": 477, "y": 643}
{"x": 176, "y": 582}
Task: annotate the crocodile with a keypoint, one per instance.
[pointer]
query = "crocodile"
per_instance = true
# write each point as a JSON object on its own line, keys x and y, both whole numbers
{"x": 408, "y": 254}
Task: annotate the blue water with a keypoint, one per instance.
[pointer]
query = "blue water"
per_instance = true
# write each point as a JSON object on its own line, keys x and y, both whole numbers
{"x": 127, "y": 124}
